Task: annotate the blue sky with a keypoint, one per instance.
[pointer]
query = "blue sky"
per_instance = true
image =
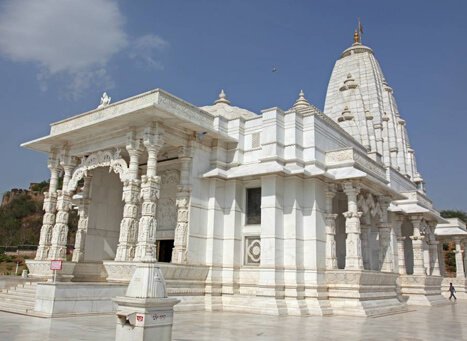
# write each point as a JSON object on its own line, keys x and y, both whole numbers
{"x": 57, "y": 57}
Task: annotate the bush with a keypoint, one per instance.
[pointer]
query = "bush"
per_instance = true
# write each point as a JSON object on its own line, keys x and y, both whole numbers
{"x": 5, "y": 258}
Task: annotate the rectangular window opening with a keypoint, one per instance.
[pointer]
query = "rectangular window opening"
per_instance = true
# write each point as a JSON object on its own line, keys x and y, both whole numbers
{"x": 253, "y": 206}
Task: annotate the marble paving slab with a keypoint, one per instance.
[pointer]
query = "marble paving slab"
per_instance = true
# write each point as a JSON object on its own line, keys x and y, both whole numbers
{"x": 423, "y": 323}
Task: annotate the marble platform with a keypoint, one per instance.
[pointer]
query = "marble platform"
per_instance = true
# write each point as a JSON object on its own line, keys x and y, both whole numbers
{"x": 421, "y": 323}
{"x": 421, "y": 290}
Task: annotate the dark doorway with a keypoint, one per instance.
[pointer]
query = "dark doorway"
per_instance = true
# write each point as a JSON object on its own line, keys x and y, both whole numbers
{"x": 164, "y": 250}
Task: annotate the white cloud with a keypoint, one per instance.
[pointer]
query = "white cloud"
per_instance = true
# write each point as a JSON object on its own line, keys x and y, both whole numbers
{"x": 70, "y": 38}
{"x": 145, "y": 47}
{"x": 61, "y": 35}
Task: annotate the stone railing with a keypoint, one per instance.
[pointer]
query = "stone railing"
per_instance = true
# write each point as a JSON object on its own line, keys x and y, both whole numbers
{"x": 349, "y": 157}
{"x": 419, "y": 198}
{"x": 399, "y": 182}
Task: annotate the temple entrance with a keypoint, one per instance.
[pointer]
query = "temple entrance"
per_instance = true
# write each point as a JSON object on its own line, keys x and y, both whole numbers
{"x": 105, "y": 215}
{"x": 164, "y": 250}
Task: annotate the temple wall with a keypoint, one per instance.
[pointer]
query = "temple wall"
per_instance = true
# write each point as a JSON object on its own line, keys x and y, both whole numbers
{"x": 105, "y": 215}
{"x": 314, "y": 224}
{"x": 199, "y": 206}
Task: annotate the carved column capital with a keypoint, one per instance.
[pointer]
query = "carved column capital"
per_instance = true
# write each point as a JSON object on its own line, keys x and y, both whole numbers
{"x": 53, "y": 162}
{"x": 154, "y": 136}
{"x": 185, "y": 152}
{"x": 351, "y": 188}
{"x": 350, "y": 214}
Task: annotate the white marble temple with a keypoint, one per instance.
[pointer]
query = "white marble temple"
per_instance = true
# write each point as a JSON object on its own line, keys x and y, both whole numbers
{"x": 271, "y": 212}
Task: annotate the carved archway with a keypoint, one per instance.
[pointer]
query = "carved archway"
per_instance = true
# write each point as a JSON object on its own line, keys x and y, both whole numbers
{"x": 103, "y": 158}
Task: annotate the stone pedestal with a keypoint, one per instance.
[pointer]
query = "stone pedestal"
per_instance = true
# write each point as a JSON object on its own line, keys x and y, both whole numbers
{"x": 363, "y": 293}
{"x": 145, "y": 313}
{"x": 144, "y": 319}
{"x": 421, "y": 289}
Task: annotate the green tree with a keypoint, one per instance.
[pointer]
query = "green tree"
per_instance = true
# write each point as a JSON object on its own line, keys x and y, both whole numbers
{"x": 454, "y": 214}
{"x": 40, "y": 187}
{"x": 12, "y": 215}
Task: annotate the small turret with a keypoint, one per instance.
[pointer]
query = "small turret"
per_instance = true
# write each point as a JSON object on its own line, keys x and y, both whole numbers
{"x": 301, "y": 101}
{"x": 222, "y": 98}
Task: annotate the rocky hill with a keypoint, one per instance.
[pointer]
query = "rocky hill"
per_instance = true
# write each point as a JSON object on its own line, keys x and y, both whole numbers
{"x": 21, "y": 216}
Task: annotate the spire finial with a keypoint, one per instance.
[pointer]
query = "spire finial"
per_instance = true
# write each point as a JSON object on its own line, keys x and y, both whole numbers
{"x": 356, "y": 37}
{"x": 301, "y": 102}
{"x": 222, "y": 98}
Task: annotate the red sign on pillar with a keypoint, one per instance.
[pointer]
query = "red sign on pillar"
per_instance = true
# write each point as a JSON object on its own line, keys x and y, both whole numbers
{"x": 56, "y": 265}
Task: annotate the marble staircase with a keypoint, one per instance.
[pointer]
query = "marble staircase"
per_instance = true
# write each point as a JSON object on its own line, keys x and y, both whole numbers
{"x": 19, "y": 299}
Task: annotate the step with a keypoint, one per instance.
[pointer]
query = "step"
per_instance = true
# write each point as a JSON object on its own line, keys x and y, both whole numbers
{"x": 27, "y": 288}
{"x": 27, "y": 293}
{"x": 15, "y": 300}
{"x": 22, "y": 296}
{"x": 16, "y": 310}
{"x": 24, "y": 291}
{"x": 7, "y": 306}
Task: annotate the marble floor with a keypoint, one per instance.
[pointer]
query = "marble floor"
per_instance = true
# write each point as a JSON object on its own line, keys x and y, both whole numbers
{"x": 437, "y": 323}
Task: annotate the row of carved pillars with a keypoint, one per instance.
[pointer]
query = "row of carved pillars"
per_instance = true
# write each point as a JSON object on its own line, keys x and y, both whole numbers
{"x": 137, "y": 236}
{"x": 419, "y": 237}
{"x": 356, "y": 247}
{"x": 357, "y": 251}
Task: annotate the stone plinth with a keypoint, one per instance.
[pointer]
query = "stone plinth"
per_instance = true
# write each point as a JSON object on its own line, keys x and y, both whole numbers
{"x": 123, "y": 271}
{"x": 421, "y": 289}
{"x": 186, "y": 282}
{"x": 145, "y": 313}
{"x": 65, "y": 299}
{"x": 137, "y": 318}
{"x": 363, "y": 293}
{"x": 40, "y": 269}
{"x": 460, "y": 284}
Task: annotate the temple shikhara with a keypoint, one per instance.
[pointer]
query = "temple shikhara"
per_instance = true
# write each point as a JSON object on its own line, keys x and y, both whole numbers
{"x": 283, "y": 212}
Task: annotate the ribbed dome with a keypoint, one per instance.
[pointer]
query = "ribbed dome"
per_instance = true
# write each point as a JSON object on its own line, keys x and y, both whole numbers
{"x": 360, "y": 99}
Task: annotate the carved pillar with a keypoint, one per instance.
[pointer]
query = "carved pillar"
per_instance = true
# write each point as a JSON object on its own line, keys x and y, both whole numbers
{"x": 435, "y": 256}
{"x": 433, "y": 269}
{"x": 131, "y": 193}
{"x": 459, "y": 261}
{"x": 365, "y": 246}
{"x": 60, "y": 229}
{"x": 330, "y": 218}
{"x": 442, "y": 266}
{"x": 50, "y": 208}
{"x": 83, "y": 212}
{"x": 417, "y": 243}
{"x": 150, "y": 189}
{"x": 353, "y": 258}
{"x": 397, "y": 224}
{"x": 183, "y": 205}
{"x": 385, "y": 254}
